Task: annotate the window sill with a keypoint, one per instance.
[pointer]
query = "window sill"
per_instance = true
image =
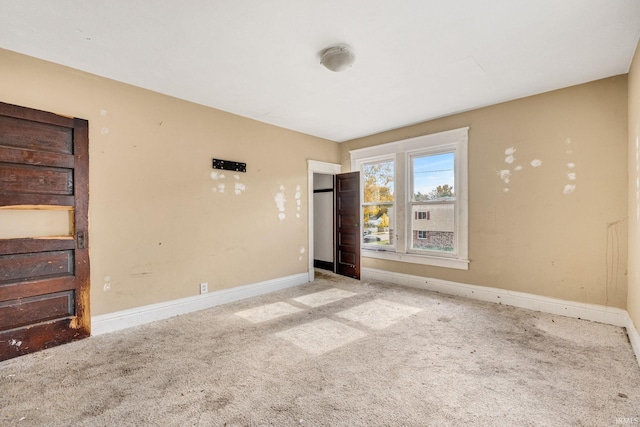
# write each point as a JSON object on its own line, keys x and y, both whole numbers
{"x": 459, "y": 264}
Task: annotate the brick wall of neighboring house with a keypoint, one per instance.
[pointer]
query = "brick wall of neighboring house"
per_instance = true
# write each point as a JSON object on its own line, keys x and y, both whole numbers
{"x": 434, "y": 239}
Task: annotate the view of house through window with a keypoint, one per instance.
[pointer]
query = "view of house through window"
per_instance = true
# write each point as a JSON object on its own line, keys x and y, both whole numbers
{"x": 433, "y": 202}
{"x": 378, "y": 203}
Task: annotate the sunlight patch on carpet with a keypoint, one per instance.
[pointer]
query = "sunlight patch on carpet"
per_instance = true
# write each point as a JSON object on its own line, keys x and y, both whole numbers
{"x": 321, "y": 336}
{"x": 379, "y": 313}
{"x": 324, "y": 297}
{"x": 268, "y": 312}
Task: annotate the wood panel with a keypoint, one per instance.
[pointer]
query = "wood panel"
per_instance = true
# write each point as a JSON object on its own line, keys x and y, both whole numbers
{"x": 347, "y": 257}
{"x": 27, "y": 179}
{"x": 35, "y": 136}
{"x": 37, "y": 116}
{"x": 21, "y": 267}
{"x": 16, "y": 342}
{"x": 24, "y": 246}
{"x": 348, "y": 239}
{"x": 30, "y": 157}
{"x": 27, "y": 311}
{"x": 347, "y": 219}
{"x": 10, "y": 199}
{"x": 10, "y": 291}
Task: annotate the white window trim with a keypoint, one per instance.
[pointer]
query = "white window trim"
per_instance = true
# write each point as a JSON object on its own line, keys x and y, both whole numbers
{"x": 453, "y": 140}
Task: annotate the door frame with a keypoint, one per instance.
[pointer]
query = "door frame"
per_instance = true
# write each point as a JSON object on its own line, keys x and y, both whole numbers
{"x": 314, "y": 166}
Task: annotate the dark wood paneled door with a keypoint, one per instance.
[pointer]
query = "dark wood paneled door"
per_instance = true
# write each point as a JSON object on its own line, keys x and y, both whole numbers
{"x": 347, "y": 205}
{"x": 44, "y": 279}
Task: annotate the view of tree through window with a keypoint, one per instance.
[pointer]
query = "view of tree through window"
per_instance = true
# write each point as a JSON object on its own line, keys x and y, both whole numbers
{"x": 433, "y": 203}
{"x": 378, "y": 203}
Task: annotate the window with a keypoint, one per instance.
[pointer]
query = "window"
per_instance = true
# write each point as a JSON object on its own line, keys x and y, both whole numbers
{"x": 414, "y": 199}
{"x": 422, "y": 215}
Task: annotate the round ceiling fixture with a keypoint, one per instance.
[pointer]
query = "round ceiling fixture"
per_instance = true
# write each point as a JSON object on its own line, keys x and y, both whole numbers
{"x": 338, "y": 58}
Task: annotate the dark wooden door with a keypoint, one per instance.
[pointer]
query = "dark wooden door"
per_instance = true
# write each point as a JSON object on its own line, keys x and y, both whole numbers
{"x": 347, "y": 205}
{"x": 44, "y": 280}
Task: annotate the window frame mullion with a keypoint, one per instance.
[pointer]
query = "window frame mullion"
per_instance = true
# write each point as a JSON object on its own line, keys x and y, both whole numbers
{"x": 401, "y": 203}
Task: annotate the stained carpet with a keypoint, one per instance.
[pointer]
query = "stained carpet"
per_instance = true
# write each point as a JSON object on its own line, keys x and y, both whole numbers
{"x": 335, "y": 352}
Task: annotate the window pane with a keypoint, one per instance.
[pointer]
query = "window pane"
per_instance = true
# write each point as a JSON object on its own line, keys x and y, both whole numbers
{"x": 378, "y": 182}
{"x": 433, "y": 177}
{"x": 378, "y": 223}
{"x": 433, "y": 227}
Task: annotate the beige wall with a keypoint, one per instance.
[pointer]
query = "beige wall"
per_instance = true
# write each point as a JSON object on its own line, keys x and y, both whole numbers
{"x": 535, "y": 238}
{"x": 159, "y": 224}
{"x": 633, "y": 299}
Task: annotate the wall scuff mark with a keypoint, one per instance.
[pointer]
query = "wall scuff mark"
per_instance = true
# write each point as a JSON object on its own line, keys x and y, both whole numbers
{"x": 571, "y": 174}
{"x": 104, "y": 130}
{"x": 612, "y": 258}
{"x": 637, "y": 161}
{"x": 239, "y": 187}
{"x": 141, "y": 271}
{"x": 280, "y": 200}
{"x": 505, "y": 175}
{"x": 298, "y": 201}
{"x": 509, "y": 155}
{"x": 215, "y": 175}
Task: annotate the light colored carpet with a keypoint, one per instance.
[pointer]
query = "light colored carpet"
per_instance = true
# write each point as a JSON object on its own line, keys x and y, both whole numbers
{"x": 336, "y": 352}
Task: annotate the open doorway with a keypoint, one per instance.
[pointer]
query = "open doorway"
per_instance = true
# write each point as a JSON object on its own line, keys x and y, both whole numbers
{"x": 334, "y": 226}
{"x": 315, "y": 168}
{"x": 323, "y": 226}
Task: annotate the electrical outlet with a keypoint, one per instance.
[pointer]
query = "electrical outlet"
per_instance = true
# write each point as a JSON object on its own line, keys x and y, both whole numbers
{"x": 204, "y": 288}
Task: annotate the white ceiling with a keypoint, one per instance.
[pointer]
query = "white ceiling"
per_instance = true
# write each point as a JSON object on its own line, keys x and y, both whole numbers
{"x": 416, "y": 59}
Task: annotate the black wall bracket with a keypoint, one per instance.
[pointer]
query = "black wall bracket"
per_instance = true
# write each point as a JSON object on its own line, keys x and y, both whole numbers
{"x": 229, "y": 165}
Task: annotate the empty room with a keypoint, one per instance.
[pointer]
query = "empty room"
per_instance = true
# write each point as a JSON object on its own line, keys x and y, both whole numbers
{"x": 297, "y": 213}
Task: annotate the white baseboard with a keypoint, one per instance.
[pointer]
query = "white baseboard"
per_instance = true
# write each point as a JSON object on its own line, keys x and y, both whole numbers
{"x": 634, "y": 337}
{"x": 112, "y": 322}
{"x": 596, "y": 313}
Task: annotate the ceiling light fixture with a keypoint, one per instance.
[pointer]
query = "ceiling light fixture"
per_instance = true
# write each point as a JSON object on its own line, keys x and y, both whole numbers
{"x": 338, "y": 58}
